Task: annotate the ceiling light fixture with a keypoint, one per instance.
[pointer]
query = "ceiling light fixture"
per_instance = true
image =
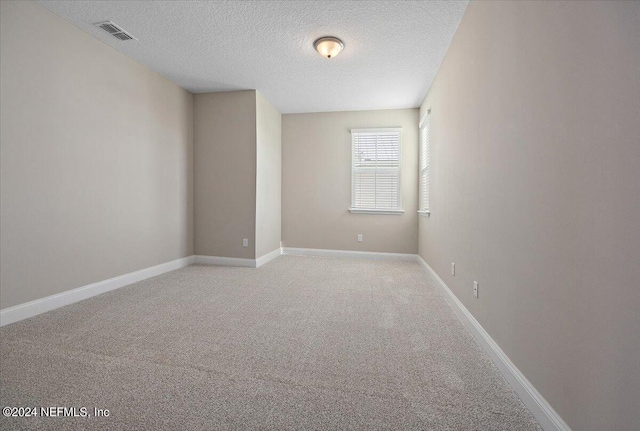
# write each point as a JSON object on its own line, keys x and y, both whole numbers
{"x": 328, "y": 46}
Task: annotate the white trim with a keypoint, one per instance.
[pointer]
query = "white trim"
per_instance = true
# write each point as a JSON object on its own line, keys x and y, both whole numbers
{"x": 33, "y": 308}
{"x": 348, "y": 253}
{"x": 38, "y": 306}
{"x": 424, "y": 117}
{"x": 541, "y": 410}
{"x": 424, "y": 213}
{"x": 375, "y": 211}
{"x": 378, "y": 130}
{"x": 268, "y": 257}
{"x": 424, "y": 170}
{"x": 225, "y": 261}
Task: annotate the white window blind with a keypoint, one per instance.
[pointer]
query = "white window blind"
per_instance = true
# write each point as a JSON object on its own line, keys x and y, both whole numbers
{"x": 375, "y": 171}
{"x": 425, "y": 163}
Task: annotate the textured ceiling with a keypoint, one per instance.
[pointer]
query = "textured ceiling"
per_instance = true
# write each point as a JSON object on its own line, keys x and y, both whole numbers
{"x": 393, "y": 48}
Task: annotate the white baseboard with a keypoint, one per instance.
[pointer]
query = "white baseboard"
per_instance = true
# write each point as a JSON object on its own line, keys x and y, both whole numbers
{"x": 236, "y": 261}
{"x": 541, "y": 410}
{"x": 33, "y": 308}
{"x": 348, "y": 253}
{"x": 225, "y": 261}
{"x": 546, "y": 416}
{"x": 42, "y": 305}
{"x": 268, "y": 257}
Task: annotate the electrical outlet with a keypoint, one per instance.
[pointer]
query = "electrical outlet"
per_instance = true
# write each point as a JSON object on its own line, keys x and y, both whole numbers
{"x": 453, "y": 269}
{"x": 359, "y": 237}
{"x": 475, "y": 289}
{"x": 245, "y": 242}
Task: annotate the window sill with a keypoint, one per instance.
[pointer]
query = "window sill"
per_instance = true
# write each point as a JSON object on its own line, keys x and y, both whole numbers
{"x": 424, "y": 213}
{"x": 374, "y": 211}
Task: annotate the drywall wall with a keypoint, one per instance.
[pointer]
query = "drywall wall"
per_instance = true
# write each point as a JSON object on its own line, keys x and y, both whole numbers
{"x": 535, "y": 194}
{"x": 268, "y": 176}
{"x": 316, "y": 183}
{"x": 96, "y": 159}
{"x": 225, "y": 173}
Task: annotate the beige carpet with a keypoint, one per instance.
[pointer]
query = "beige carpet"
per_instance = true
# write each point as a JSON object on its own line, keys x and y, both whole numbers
{"x": 301, "y": 343}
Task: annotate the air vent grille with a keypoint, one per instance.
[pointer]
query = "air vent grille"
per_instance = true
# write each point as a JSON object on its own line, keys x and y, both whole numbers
{"x": 122, "y": 36}
{"x": 114, "y": 30}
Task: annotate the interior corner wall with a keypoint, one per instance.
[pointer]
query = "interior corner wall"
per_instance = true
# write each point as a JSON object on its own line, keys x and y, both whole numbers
{"x": 535, "y": 194}
{"x": 225, "y": 173}
{"x": 268, "y": 176}
{"x": 316, "y": 183}
{"x": 96, "y": 167}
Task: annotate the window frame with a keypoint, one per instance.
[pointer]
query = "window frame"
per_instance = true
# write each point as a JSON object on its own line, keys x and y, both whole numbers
{"x": 379, "y": 211}
{"x": 424, "y": 202}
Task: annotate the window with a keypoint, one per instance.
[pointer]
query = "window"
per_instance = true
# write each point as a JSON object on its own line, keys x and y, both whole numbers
{"x": 375, "y": 171}
{"x": 425, "y": 163}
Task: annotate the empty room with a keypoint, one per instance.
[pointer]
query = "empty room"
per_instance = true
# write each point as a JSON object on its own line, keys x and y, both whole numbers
{"x": 320, "y": 215}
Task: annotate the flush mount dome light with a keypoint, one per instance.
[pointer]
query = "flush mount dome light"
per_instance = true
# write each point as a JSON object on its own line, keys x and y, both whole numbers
{"x": 328, "y": 46}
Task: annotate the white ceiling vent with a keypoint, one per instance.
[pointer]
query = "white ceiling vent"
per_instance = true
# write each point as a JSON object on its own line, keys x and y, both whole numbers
{"x": 114, "y": 30}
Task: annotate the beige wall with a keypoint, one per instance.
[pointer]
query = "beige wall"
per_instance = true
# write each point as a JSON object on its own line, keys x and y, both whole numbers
{"x": 96, "y": 159}
{"x": 316, "y": 183}
{"x": 536, "y": 195}
{"x": 268, "y": 174}
{"x": 225, "y": 173}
